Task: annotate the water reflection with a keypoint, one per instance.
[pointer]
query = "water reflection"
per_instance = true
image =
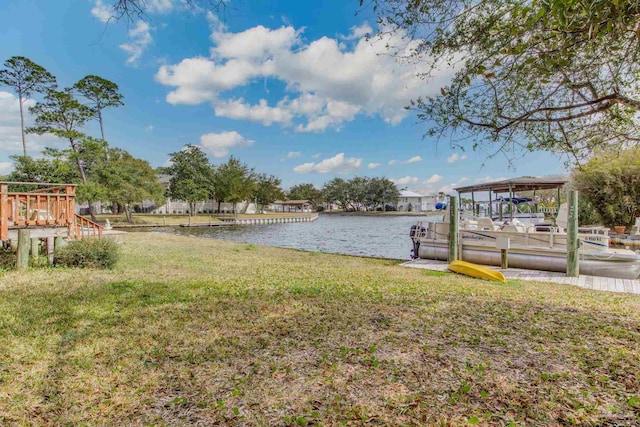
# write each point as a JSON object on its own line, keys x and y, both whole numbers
{"x": 370, "y": 236}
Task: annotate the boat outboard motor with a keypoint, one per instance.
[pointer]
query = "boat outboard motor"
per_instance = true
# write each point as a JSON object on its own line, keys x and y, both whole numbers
{"x": 415, "y": 233}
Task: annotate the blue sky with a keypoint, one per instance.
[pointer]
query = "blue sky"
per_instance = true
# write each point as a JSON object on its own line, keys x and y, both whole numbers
{"x": 292, "y": 89}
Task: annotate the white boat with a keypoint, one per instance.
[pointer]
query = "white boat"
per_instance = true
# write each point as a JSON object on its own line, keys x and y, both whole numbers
{"x": 532, "y": 246}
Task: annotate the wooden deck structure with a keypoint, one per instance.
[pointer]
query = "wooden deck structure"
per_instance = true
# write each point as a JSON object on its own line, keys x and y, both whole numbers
{"x": 588, "y": 282}
{"x": 39, "y": 206}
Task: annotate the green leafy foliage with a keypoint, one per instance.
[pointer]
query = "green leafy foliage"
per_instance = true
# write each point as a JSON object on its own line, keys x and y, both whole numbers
{"x": 306, "y": 192}
{"x": 53, "y": 167}
{"x": 550, "y": 75}
{"x": 7, "y": 259}
{"x": 61, "y": 115}
{"x": 611, "y": 184}
{"x": 88, "y": 253}
{"x": 361, "y": 192}
{"x": 267, "y": 189}
{"x": 234, "y": 182}
{"x": 192, "y": 177}
{"x": 124, "y": 180}
{"x": 101, "y": 94}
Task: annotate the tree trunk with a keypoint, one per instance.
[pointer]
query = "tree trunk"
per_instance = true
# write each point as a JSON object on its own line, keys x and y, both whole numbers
{"x": 219, "y": 202}
{"x": 100, "y": 120}
{"x": 128, "y": 214}
{"x": 24, "y": 143}
{"x": 83, "y": 176}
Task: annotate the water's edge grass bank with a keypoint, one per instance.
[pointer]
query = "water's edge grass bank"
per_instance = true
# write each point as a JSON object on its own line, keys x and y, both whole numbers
{"x": 188, "y": 331}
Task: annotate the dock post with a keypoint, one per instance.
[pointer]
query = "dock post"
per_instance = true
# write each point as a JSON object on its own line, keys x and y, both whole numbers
{"x": 573, "y": 268}
{"x": 35, "y": 248}
{"x": 24, "y": 246}
{"x": 58, "y": 243}
{"x": 453, "y": 229}
{"x": 50, "y": 248}
{"x": 490, "y": 205}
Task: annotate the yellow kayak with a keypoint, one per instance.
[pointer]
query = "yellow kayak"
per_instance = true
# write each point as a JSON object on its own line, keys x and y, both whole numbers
{"x": 475, "y": 270}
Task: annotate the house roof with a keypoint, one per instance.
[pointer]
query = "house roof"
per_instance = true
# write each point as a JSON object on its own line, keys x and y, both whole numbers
{"x": 524, "y": 183}
{"x": 408, "y": 193}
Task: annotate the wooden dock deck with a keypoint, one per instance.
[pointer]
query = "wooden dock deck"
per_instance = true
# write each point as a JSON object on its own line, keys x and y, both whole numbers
{"x": 44, "y": 208}
{"x": 597, "y": 283}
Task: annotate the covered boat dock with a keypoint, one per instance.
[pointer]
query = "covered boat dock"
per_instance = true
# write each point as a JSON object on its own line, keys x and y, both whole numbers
{"x": 511, "y": 186}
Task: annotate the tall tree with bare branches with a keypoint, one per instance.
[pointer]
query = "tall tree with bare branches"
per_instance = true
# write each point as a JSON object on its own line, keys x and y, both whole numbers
{"x": 555, "y": 75}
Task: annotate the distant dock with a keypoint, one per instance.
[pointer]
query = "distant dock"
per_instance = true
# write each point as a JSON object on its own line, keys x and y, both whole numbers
{"x": 255, "y": 221}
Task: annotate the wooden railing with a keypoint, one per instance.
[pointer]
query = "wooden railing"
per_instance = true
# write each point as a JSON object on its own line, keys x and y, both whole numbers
{"x": 47, "y": 205}
{"x": 84, "y": 228}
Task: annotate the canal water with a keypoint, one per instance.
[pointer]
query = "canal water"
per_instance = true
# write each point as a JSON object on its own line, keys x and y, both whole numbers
{"x": 363, "y": 235}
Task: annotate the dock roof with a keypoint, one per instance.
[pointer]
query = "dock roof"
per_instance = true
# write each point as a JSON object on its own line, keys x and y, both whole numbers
{"x": 524, "y": 183}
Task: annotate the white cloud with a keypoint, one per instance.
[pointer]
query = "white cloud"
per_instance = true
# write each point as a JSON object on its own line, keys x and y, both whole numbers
{"x": 293, "y": 154}
{"x": 10, "y": 133}
{"x": 219, "y": 144}
{"x": 405, "y": 180}
{"x": 449, "y": 188}
{"x": 393, "y": 162}
{"x": 335, "y": 164}
{"x": 148, "y": 128}
{"x": 327, "y": 84}
{"x": 414, "y": 159}
{"x": 358, "y": 31}
{"x": 333, "y": 115}
{"x": 373, "y": 165}
{"x": 140, "y": 39}
{"x": 316, "y": 156}
{"x": 486, "y": 179}
{"x": 159, "y": 6}
{"x": 5, "y": 168}
{"x": 434, "y": 179}
{"x": 455, "y": 157}
{"x": 262, "y": 113}
{"x": 102, "y": 12}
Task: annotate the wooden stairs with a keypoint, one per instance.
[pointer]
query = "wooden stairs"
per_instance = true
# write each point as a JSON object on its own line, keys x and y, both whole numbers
{"x": 43, "y": 206}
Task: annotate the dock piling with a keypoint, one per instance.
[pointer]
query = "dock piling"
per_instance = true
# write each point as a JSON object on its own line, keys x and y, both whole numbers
{"x": 453, "y": 229}
{"x": 573, "y": 268}
{"x": 24, "y": 246}
{"x": 35, "y": 248}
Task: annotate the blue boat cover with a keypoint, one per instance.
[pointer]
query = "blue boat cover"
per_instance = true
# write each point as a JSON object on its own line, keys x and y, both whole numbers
{"x": 514, "y": 200}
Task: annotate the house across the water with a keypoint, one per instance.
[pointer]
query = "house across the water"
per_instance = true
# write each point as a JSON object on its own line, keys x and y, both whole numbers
{"x": 292, "y": 206}
{"x": 412, "y": 201}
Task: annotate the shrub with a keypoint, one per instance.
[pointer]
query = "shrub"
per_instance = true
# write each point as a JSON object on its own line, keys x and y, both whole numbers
{"x": 88, "y": 253}
{"x": 7, "y": 259}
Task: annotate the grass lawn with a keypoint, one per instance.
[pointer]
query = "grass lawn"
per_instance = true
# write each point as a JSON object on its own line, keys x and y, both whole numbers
{"x": 188, "y": 331}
